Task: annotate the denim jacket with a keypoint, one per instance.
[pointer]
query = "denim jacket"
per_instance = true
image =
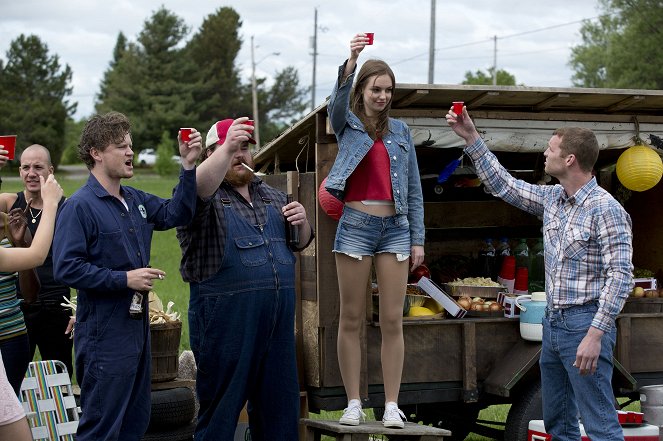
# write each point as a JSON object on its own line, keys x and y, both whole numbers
{"x": 354, "y": 143}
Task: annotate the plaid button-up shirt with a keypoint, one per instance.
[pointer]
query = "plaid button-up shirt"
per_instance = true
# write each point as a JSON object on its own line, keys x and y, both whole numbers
{"x": 587, "y": 238}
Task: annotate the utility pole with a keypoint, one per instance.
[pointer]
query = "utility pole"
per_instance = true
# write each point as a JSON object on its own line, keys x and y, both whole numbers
{"x": 431, "y": 45}
{"x": 254, "y": 93}
{"x": 495, "y": 60}
{"x": 314, "y": 43}
{"x": 254, "y": 97}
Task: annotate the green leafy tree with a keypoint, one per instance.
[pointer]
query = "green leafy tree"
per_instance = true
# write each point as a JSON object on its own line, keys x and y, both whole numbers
{"x": 480, "y": 77}
{"x": 34, "y": 88}
{"x": 213, "y": 49}
{"x": 283, "y": 103}
{"x": 164, "y": 164}
{"x": 622, "y": 48}
{"x": 161, "y": 84}
{"x": 121, "y": 46}
{"x": 151, "y": 81}
{"x": 72, "y": 137}
{"x": 220, "y": 93}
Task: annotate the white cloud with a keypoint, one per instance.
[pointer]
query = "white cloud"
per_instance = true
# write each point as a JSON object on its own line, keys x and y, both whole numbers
{"x": 83, "y": 34}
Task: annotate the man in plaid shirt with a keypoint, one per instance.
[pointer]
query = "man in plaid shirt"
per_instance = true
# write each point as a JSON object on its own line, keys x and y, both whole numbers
{"x": 588, "y": 250}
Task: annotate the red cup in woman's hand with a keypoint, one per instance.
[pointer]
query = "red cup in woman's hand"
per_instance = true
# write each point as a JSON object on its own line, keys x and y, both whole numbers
{"x": 458, "y": 108}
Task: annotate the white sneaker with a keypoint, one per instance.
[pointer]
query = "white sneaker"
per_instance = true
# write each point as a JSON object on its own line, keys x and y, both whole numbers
{"x": 352, "y": 414}
{"x": 393, "y": 417}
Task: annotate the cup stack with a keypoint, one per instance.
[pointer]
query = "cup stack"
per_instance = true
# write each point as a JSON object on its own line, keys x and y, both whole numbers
{"x": 520, "y": 286}
{"x": 507, "y": 275}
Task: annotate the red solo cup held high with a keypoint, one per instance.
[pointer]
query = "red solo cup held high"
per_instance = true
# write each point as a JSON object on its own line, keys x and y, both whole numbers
{"x": 8, "y": 142}
{"x": 458, "y": 107}
{"x": 185, "y": 134}
{"x": 251, "y": 123}
{"x": 521, "y": 279}
{"x": 329, "y": 204}
{"x": 370, "y": 36}
{"x": 508, "y": 270}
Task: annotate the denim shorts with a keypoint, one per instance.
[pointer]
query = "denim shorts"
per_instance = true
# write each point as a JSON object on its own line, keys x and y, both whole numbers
{"x": 362, "y": 234}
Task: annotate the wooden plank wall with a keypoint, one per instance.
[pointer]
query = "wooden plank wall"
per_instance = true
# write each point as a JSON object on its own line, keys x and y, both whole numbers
{"x": 646, "y": 212}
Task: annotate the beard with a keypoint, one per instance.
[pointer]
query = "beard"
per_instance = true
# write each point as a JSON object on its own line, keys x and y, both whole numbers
{"x": 240, "y": 178}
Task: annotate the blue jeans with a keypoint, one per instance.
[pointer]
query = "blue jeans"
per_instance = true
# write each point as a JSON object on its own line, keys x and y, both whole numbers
{"x": 566, "y": 393}
{"x": 362, "y": 234}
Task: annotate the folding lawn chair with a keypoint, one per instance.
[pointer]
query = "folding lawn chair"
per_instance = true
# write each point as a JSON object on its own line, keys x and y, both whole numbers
{"x": 48, "y": 400}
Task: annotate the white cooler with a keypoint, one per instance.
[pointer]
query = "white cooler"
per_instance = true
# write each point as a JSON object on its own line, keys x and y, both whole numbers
{"x": 642, "y": 432}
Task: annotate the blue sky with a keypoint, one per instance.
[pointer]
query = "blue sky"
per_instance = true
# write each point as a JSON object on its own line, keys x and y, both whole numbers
{"x": 534, "y": 37}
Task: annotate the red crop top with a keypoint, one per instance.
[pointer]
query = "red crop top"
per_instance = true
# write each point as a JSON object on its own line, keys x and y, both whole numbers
{"x": 371, "y": 179}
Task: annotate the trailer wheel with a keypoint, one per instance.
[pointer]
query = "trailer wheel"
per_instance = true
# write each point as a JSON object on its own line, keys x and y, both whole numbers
{"x": 458, "y": 418}
{"x": 527, "y": 407}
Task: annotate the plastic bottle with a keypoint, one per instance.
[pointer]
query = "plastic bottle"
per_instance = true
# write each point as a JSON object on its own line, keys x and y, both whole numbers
{"x": 503, "y": 249}
{"x": 537, "y": 274}
{"x": 487, "y": 259}
{"x": 522, "y": 255}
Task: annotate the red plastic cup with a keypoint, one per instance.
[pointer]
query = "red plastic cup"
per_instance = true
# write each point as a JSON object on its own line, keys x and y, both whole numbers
{"x": 370, "y": 36}
{"x": 250, "y": 122}
{"x": 508, "y": 270}
{"x": 8, "y": 142}
{"x": 458, "y": 108}
{"x": 521, "y": 279}
{"x": 185, "y": 133}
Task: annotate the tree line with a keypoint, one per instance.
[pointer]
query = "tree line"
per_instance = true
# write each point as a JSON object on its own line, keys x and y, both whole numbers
{"x": 164, "y": 79}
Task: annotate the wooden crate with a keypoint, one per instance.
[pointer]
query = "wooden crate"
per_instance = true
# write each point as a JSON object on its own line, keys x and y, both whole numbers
{"x": 643, "y": 305}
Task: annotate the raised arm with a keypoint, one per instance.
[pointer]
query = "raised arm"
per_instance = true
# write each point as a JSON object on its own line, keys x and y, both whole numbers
{"x": 211, "y": 172}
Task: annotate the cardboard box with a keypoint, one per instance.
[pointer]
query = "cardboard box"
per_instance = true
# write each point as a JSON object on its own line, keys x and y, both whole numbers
{"x": 643, "y": 432}
{"x": 441, "y": 297}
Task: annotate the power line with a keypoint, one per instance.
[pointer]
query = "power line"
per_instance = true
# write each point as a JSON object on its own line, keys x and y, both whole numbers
{"x": 487, "y": 40}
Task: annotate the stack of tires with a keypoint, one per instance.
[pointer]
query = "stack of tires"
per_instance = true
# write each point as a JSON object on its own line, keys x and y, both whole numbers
{"x": 172, "y": 416}
{"x": 173, "y": 401}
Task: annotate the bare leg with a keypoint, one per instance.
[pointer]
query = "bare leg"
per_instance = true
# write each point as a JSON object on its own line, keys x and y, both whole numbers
{"x": 353, "y": 277}
{"x": 392, "y": 281}
{"x": 16, "y": 431}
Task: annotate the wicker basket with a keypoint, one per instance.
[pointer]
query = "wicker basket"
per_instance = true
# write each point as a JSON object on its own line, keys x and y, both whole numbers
{"x": 165, "y": 350}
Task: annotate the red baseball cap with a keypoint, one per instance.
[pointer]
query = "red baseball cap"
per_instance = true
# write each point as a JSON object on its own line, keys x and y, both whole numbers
{"x": 217, "y": 133}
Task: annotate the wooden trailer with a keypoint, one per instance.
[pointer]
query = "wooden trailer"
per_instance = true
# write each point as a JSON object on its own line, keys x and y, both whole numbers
{"x": 456, "y": 367}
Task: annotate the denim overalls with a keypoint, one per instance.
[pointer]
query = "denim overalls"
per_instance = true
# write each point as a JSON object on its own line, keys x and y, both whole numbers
{"x": 242, "y": 333}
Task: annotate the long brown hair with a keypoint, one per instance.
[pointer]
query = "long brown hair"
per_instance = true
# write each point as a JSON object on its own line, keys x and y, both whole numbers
{"x": 370, "y": 70}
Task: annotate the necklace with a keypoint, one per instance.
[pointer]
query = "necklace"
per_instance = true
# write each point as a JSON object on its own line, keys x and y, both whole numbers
{"x": 34, "y": 218}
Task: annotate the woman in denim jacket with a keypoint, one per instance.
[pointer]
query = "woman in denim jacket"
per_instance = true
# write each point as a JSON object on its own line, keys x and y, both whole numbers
{"x": 376, "y": 175}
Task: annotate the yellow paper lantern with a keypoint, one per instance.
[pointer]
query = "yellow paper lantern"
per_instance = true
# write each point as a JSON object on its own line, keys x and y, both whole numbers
{"x": 639, "y": 168}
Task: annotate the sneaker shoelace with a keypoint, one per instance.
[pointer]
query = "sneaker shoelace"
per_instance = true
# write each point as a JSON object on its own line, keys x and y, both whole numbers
{"x": 354, "y": 412}
{"x": 393, "y": 413}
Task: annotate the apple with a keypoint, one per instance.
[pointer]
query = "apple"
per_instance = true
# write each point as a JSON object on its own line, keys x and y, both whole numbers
{"x": 419, "y": 272}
